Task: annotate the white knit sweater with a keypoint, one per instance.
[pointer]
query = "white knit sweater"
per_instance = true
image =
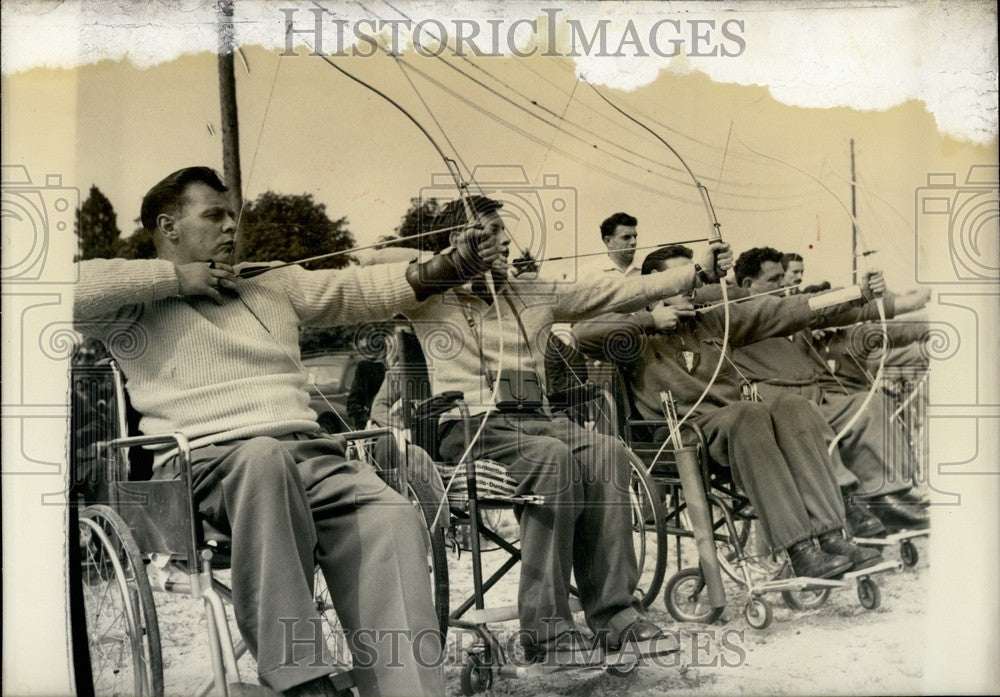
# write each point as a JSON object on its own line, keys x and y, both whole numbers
{"x": 213, "y": 372}
{"x": 453, "y": 348}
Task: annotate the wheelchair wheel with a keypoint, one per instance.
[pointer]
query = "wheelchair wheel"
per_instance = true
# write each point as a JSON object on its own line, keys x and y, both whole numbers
{"x": 649, "y": 536}
{"x": 476, "y": 676}
{"x": 123, "y": 637}
{"x": 802, "y": 600}
{"x": 686, "y": 597}
{"x": 422, "y": 495}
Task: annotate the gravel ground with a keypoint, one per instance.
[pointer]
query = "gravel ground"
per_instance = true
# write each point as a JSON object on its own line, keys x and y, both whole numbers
{"x": 837, "y": 648}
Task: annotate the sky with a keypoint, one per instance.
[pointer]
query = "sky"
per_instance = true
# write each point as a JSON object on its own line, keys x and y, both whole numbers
{"x": 778, "y": 175}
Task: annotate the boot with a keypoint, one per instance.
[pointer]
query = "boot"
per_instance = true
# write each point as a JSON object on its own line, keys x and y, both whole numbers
{"x": 833, "y": 542}
{"x": 896, "y": 513}
{"x": 861, "y": 522}
{"x": 809, "y": 560}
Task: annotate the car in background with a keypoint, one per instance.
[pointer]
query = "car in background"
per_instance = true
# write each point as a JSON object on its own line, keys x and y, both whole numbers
{"x": 330, "y": 375}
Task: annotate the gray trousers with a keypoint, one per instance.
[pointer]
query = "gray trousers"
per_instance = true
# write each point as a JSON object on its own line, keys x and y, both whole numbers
{"x": 878, "y": 459}
{"x": 289, "y": 504}
{"x": 584, "y": 525}
{"x": 875, "y": 450}
{"x": 778, "y": 457}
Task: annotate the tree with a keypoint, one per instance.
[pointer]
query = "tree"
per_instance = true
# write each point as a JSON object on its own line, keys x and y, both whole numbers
{"x": 139, "y": 245}
{"x": 419, "y": 218}
{"x": 97, "y": 227}
{"x": 286, "y": 227}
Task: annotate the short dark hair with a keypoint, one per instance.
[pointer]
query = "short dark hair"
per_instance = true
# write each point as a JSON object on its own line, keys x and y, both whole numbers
{"x": 749, "y": 262}
{"x": 453, "y": 215}
{"x": 167, "y": 195}
{"x": 788, "y": 257}
{"x": 662, "y": 255}
{"x": 609, "y": 224}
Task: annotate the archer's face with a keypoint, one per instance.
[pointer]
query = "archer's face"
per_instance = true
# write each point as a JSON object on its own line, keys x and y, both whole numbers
{"x": 674, "y": 263}
{"x": 204, "y": 228}
{"x": 771, "y": 277}
{"x": 493, "y": 223}
{"x": 621, "y": 245}
{"x": 793, "y": 274}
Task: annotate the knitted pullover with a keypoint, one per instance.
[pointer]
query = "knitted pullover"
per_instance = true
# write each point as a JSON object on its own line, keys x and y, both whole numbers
{"x": 461, "y": 336}
{"x": 213, "y": 372}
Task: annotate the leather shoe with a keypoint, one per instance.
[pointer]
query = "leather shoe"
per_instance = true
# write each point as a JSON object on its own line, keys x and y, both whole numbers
{"x": 861, "y": 557}
{"x": 317, "y": 687}
{"x": 861, "y": 522}
{"x": 639, "y": 631}
{"x": 896, "y": 513}
{"x": 914, "y": 499}
{"x": 567, "y": 648}
{"x": 809, "y": 560}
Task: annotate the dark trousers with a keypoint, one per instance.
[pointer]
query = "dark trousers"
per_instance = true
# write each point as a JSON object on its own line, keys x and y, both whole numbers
{"x": 875, "y": 455}
{"x": 292, "y": 503}
{"x": 584, "y": 525}
{"x": 778, "y": 457}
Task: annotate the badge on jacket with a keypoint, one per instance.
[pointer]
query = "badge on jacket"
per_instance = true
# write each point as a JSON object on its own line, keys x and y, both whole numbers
{"x": 691, "y": 360}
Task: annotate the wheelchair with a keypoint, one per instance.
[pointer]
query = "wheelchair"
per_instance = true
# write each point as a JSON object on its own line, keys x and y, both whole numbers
{"x": 907, "y": 392}
{"x": 131, "y": 535}
{"x": 729, "y": 538}
{"x": 476, "y": 490}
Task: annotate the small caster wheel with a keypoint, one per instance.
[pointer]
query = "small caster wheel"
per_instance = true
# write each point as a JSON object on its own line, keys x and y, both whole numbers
{"x": 686, "y": 597}
{"x": 908, "y": 553}
{"x": 476, "y": 675}
{"x": 758, "y": 613}
{"x": 622, "y": 670}
{"x": 869, "y": 594}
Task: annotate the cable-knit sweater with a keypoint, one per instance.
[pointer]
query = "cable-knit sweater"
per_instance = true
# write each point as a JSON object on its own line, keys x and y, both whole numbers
{"x": 214, "y": 372}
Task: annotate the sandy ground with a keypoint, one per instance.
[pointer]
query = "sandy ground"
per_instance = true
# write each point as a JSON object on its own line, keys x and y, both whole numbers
{"x": 837, "y": 648}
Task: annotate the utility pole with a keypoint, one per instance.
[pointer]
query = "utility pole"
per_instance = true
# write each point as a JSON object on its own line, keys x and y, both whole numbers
{"x": 227, "y": 100}
{"x": 854, "y": 227}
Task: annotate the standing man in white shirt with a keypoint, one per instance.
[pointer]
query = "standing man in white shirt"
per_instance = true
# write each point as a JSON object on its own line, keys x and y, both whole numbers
{"x": 619, "y": 236}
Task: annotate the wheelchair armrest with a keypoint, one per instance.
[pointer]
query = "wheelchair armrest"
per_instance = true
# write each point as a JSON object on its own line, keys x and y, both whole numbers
{"x": 422, "y": 419}
{"x": 573, "y": 396}
{"x": 178, "y": 439}
{"x": 184, "y": 456}
{"x": 435, "y": 406}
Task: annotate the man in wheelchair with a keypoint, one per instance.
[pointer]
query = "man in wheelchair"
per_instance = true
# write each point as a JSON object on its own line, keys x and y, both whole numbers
{"x": 872, "y": 448}
{"x": 777, "y": 452}
{"x": 497, "y": 338}
{"x": 214, "y": 355}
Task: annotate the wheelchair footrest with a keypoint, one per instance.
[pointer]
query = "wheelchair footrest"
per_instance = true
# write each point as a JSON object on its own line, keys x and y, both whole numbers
{"x": 504, "y": 613}
{"x": 507, "y": 613}
{"x": 892, "y": 539}
{"x": 877, "y": 569}
{"x": 797, "y": 583}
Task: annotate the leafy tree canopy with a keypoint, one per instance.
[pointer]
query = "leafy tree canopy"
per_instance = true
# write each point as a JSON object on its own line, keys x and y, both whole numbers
{"x": 420, "y": 218}
{"x": 287, "y": 227}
